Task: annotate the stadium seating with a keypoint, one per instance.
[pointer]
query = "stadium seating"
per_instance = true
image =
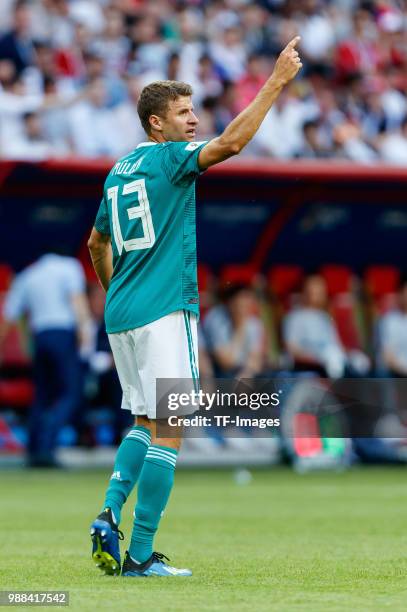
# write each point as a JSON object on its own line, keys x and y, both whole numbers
{"x": 382, "y": 284}
{"x": 14, "y": 349}
{"x": 344, "y": 311}
{"x": 283, "y": 283}
{"x": 283, "y": 280}
{"x": 344, "y": 307}
{"x": 338, "y": 279}
{"x": 16, "y": 388}
{"x": 353, "y": 310}
{"x": 6, "y": 276}
{"x": 16, "y": 393}
{"x": 244, "y": 274}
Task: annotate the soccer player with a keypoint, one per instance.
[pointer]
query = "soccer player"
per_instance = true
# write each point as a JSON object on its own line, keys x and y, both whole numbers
{"x": 143, "y": 248}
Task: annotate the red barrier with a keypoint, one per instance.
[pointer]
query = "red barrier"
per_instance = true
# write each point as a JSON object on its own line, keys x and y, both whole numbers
{"x": 287, "y": 188}
{"x": 253, "y": 168}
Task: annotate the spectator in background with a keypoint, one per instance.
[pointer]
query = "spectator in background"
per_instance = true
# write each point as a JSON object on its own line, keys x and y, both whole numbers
{"x": 393, "y": 145}
{"x": 255, "y": 19}
{"x": 15, "y": 102}
{"x": 311, "y": 338}
{"x": 51, "y": 20}
{"x": 31, "y": 143}
{"x": 350, "y": 145}
{"x": 92, "y": 125}
{"x": 113, "y": 45}
{"x": 280, "y": 134}
{"x": 225, "y": 108}
{"x": 173, "y": 64}
{"x": 353, "y": 82}
{"x": 228, "y": 51}
{"x": 43, "y": 69}
{"x": 206, "y": 127}
{"x": 191, "y": 47}
{"x": 317, "y": 31}
{"x": 150, "y": 52}
{"x": 128, "y": 126}
{"x": 17, "y": 45}
{"x": 359, "y": 53}
{"x": 95, "y": 68}
{"x": 375, "y": 119}
{"x": 51, "y": 293}
{"x": 206, "y": 82}
{"x": 17, "y": 105}
{"x": 6, "y": 9}
{"x": 327, "y": 114}
{"x": 251, "y": 81}
{"x": 392, "y": 337}
{"x": 235, "y": 335}
{"x": 7, "y": 73}
{"x": 70, "y": 58}
{"x": 54, "y": 119}
{"x": 313, "y": 145}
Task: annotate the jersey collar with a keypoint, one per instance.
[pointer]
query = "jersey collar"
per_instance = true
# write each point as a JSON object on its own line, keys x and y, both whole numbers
{"x": 146, "y": 144}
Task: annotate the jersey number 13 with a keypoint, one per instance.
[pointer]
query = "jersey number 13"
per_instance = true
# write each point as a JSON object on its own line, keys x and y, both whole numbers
{"x": 142, "y": 212}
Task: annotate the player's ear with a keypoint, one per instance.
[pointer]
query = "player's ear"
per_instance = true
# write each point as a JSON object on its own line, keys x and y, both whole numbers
{"x": 155, "y": 123}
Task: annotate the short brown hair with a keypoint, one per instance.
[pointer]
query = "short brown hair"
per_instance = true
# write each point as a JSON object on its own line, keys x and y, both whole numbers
{"x": 155, "y": 97}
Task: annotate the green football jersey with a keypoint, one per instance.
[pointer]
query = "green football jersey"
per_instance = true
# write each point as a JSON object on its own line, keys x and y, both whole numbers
{"x": 148, "y": 209}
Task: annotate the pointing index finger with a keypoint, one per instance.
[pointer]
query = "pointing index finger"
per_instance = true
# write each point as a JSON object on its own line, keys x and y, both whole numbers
{"x": 293, "y": 43}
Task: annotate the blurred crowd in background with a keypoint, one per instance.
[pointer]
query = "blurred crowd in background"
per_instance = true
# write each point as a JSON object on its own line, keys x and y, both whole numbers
{"x": 71, "y": 72}
{"x": 287, "y": 324}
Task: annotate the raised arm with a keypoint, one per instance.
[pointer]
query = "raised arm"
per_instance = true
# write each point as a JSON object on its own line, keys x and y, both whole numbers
{"x": 242, "y": 129}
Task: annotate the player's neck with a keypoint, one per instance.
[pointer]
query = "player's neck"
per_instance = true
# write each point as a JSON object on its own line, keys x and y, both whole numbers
{"x": 158, "y": 139}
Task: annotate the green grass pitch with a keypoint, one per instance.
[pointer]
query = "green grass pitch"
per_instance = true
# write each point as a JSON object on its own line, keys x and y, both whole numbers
{"x": 283, "y": 542}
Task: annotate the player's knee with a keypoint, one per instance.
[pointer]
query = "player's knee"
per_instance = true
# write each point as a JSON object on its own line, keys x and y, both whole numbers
{"x": 143, "y": 421}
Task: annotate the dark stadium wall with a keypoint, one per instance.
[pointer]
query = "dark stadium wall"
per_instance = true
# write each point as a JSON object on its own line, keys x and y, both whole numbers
{"x": 257, "y": 212}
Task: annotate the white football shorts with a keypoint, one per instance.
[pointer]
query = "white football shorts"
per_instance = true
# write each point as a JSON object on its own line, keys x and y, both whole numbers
{"x": 165, "y": 348}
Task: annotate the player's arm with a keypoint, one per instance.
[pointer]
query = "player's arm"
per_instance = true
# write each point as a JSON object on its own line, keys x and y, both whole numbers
{"x": 100, "y": 249}
{"x": 242, "y": 129}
